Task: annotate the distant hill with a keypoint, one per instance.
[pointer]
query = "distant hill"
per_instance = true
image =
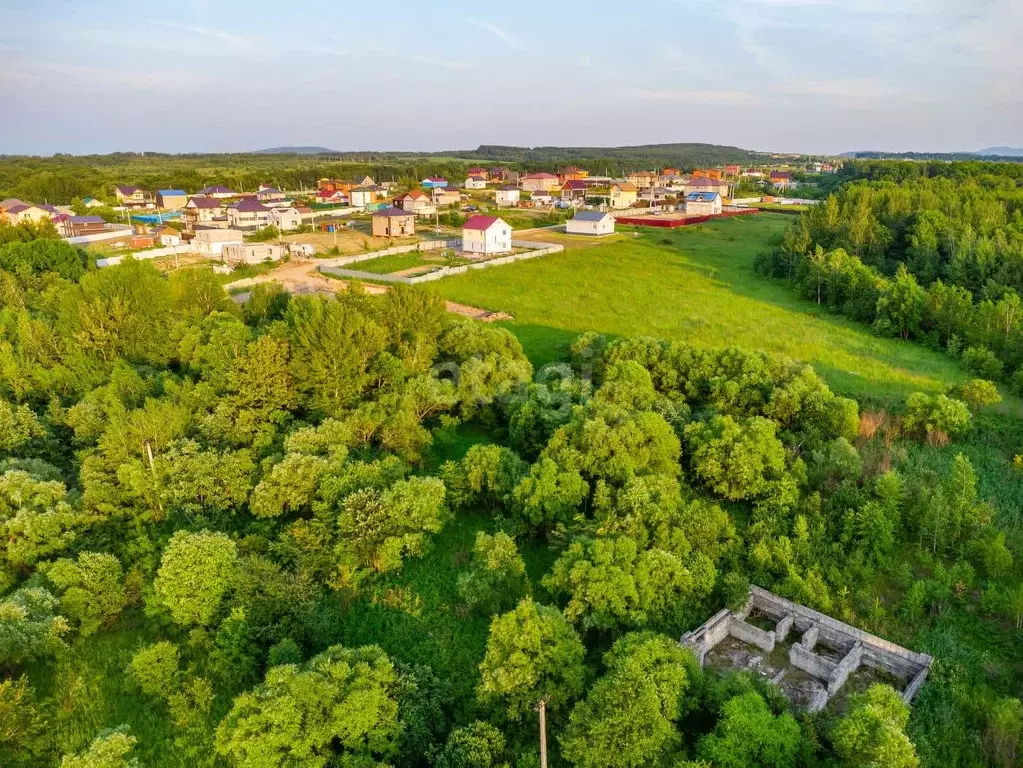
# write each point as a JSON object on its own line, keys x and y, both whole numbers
{"x": 1002, "y": 151}
{"x": 295, "y": 151}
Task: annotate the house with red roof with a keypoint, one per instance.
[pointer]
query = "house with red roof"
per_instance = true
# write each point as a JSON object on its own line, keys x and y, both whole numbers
{"x": 781, "y": 179}
{"x": 573, "y": 189}
{"x": 486, "y": 235}
{"x": 415, "y": 200}
{"x": 477, "y": 171}
{"x": 540, "y": 182}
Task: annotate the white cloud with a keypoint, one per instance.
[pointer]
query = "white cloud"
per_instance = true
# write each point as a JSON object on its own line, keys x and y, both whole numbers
{"x": 496, "y": 31}
{"x": 695, "y": 96}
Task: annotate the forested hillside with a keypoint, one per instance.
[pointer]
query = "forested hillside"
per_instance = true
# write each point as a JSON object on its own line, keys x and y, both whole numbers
{"x": 359, "y": 531}
{"x": 925, "y": 251}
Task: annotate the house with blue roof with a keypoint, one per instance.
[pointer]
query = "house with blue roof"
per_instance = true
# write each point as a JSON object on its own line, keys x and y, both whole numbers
{"x": 435, "y": 182}
{"x": 591, "y": 223}
{"x": 171, "y": 199}
{"x": 703, "y": 203}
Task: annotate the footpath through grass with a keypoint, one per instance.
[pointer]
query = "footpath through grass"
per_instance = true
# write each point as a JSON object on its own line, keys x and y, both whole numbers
{"x": 696, "y": 284}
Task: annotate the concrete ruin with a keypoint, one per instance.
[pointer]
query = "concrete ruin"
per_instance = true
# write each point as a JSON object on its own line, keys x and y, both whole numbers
{"x": 818, "y": 664}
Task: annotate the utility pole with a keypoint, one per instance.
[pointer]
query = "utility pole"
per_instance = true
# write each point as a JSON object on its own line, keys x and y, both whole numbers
{"x": 542, "y": 706}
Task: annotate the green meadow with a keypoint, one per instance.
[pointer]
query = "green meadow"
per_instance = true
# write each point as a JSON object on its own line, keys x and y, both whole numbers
{"x": 696, "y": 284}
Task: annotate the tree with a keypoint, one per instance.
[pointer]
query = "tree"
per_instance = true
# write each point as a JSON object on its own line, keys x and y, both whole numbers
{"x": 92, "y": 589}
{"x": 873, "y": 732}
{"x": 982, "y": 362}
{"x": 155, "y": 669}
{"x": 194, "y": 574}
{"x": 477, "y": 745}
{"x": 749, "y": 734}
{"x": 927, "y": 415}
{"x": 22, "y": 724}
{"x": 110, "y": 749}
{"x": 738, "y": 460}
{"x": 35, "y": 521}
{"x": 612, "y": 582}
{"x": 532, "y": 654}
{"x": 289, "y": 486}
{"x": 341, "y": 706}
{"x": 486, "y": 475}
{"x": 29, "y": 626}
{"x": 900, "y": 309}
{"x": 1001, "y": 738}
{"x": 378, "y": 529}
{"x": 549, "y": 495}
{"x": 976, "y": 393}
{"x": 628, "y": 718}
{"x": 496, "y": 578}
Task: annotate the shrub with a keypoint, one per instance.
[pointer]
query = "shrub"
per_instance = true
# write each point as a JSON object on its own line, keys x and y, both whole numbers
{"x": 926, "y": 415}
{"x": 976, "y": 393}
{"x": 982, "y": 362}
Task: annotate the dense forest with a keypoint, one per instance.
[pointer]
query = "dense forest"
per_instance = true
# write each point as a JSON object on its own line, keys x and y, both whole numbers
{"x": 358, "y": 531}
{"x": 62, "y": 178}
{"x": 924, "y": 251}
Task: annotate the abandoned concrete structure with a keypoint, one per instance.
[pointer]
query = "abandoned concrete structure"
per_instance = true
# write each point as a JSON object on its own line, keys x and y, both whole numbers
{"x": 826, "y": 654}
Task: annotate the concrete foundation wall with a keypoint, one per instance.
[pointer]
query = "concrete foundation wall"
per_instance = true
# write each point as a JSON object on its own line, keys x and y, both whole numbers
{"x": 740, "y": 630}
{"x": 810, "y": 662}
{"x": 849, "y": 664}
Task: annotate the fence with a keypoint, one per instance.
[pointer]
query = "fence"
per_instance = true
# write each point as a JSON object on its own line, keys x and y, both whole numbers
{"x": 672, "y": 223}
{"x": 535, "y": 250}
{"x": 425, "y": 245}
{"x": 114, "y": 232}
{"x": 155, "y": 253}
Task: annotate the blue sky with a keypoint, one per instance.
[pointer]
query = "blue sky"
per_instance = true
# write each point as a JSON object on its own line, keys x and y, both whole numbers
{"x": 783, "y": 75}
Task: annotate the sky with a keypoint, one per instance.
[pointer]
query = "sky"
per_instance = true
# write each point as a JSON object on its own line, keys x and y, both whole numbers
{"x": 815, "y": 76}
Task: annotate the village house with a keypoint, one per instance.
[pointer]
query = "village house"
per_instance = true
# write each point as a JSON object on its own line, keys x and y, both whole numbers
{"x": 572, "y": 173}
{"x": 707, "y": 173}
{"x": 486, "y": 235}
{"x": 248, "y": 213}
{"x": 9, "y": 203}
{"x": 218, "y": 191}
{"x": 130, "y": 197}
{"x": 537, "y": 182}
{"x": 166, "y": 236}
{"x": 752, "y": 173}
{"x": 542, "y": 197}
{"x": 250, "y": 253}
{"x": 171, "y": 199}
{"x": 364, "y": 196}
{"x": 574, "y": 190}
{"x": 91, "y": 202}
{"x": 269, "y": 195}
{"x": 367, "y": 181}
{"x": 704, "y": 184}
{"x": 415, "y": 200}
{"x": 435, "y": 182}
{"x": 475, "y": 182}
{"x": 656, "y": 195}
{"x": 285, "y": 219}
{"x": 781, "y": 179}
{"x": 337, "y": 196}
{"x": 502, "y": 175}
{"x": 25, "y": 213}
{"x": 623, "y": 195}
{"x": 476, "y": 171}
{"x": 201, "y": 210}
{"x": 591, "y": 223}
{"x": 507, "y": 195}
{"x": 140, "y": 241}
{"x": 394, "y": 222}
{"x": 331, "y": 186}
{"x": 209, "y": 241}
{"x": 79, "y": 226}
{"x": 444, "y": 197}
{"x": 703, "y": 203}
{"x": 642, "y": 179}
{"x": 732, "y": 169}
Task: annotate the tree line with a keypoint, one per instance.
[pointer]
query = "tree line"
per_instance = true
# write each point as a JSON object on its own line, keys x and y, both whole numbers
{"x": 221, "y": 483}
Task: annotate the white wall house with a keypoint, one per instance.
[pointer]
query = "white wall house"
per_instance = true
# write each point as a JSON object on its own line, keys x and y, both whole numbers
{"x": 703, "y": 203}
{"x": 475, "y": 182}
{"x": 248, "y": 214}
{"x": 508, "y": 195}
{"x": 251, "y": 253}
{"x": 211, "y": 242}
{"x": 285, "y": 218}
{"x": 591, "y": 223}
{"x": 486, "y": 235}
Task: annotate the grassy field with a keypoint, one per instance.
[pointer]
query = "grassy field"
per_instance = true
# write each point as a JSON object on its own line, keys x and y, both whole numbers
{"x": 697, "y": 284}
